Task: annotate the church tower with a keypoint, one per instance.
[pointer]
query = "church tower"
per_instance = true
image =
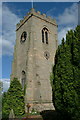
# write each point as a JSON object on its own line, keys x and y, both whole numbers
{"x": 34, "y": 52}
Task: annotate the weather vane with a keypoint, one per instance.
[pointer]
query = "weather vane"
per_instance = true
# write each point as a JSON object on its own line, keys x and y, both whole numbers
{"x": 32, "y": 3}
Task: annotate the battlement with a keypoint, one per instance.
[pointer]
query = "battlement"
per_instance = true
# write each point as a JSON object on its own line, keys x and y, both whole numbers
{"x": 38, "y": 15}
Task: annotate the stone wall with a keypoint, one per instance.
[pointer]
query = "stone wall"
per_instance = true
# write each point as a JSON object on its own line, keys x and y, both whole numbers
{"x": 30, "y": 57}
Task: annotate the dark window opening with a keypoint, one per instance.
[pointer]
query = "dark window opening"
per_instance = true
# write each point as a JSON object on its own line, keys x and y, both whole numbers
{"x": 46, "y": 55}
{"x": 42, "y": 36}
{"x": 23, "y": 81}
{"x": 45, "y": 29}
{"x": 23, "y": 36}
{"x": 46, "y": 36}
{"x": 23, "y": 72}
{"x": 40, "y": 96}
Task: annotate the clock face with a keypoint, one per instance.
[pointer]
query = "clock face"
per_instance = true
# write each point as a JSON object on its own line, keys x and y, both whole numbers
{"x": 23, "y": 37}
{"x": 46, "y": 55}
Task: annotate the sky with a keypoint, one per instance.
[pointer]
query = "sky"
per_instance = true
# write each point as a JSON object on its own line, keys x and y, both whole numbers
{"x": 65, "y": 13}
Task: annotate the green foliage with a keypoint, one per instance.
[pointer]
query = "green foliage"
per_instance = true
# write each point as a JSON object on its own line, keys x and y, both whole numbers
{"x": 34, "y": 112}
{"x": 66, "y": 75}
{"x": 13, "y": 99}
{"x": 51, "y": 80}
{"x": 1, "y": 84}
{"x": 24, "y": 89}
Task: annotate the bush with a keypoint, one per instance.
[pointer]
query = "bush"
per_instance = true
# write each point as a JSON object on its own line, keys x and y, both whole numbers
{"x": 13, "y": 99}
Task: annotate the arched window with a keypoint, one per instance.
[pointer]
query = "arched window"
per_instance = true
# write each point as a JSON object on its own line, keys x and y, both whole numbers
{"x": 23, "y": 37}
{"x": 23, "y": 79}
{"x": 45, "y": 35}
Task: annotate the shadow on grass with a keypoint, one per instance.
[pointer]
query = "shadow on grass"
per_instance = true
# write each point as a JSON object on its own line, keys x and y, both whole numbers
{"x": 54, "y": 115}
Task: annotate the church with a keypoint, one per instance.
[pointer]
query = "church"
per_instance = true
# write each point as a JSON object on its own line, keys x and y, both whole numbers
{"x": 34, "y": 55}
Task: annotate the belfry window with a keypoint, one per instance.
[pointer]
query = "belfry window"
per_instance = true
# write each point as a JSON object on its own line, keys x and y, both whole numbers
{"x": 45, "y": 35}
{"x": 42, "y": 36}
{"x": 23, "y": 79}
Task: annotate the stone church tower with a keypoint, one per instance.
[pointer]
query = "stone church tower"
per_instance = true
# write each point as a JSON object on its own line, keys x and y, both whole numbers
{"x": 34, "y": 52}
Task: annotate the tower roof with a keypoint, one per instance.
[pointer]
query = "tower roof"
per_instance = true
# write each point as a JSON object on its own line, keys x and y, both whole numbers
{"x": 37, "y": 14}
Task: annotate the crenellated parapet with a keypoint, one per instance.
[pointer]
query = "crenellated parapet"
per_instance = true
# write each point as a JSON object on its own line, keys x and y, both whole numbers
{"x": 38, "y": 14}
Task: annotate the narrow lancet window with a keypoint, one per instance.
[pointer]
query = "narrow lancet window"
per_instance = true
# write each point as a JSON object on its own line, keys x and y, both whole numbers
{"x": 23, "y": 79}
{"x": 42, "y": 36}
{"x": 45, "y": 35}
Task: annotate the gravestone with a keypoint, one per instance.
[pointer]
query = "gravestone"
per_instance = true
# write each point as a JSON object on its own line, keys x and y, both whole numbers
{"x": 11, "y": 115}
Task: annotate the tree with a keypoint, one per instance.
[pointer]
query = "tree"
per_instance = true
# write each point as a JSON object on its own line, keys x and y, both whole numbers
{"x": 66, "y": 75}
{"x": 1, "y": 84}
{"x": 13, "y": 99}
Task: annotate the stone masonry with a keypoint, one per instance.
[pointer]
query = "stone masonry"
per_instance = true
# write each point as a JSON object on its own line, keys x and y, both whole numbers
{"x": 33, "y": 59}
